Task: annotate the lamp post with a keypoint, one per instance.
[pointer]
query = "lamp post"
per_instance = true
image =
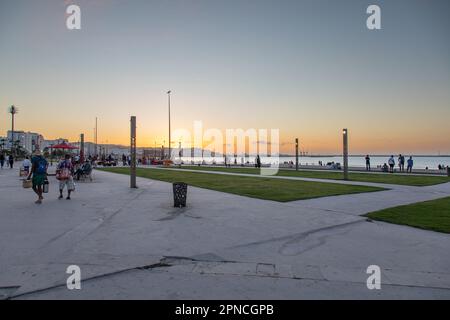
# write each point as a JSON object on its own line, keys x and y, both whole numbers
{"x": 168, "y": 95}
{"x": 345, "y": 152}
{"x": 163, "y": 153}
{"x": 95, "y": 138}
{"x": 13, "y": 110}
{"x": 133, "y": 152}
{"x": 82, "y": 148}
{"x": 296, "y": 154}
{"x": 51, "y": 154}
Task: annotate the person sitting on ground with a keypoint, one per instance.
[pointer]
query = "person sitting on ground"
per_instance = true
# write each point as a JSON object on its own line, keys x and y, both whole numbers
{"x": 385, "y": 168}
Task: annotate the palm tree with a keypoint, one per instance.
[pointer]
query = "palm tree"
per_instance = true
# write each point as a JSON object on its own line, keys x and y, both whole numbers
{"x": 13, "y": 110}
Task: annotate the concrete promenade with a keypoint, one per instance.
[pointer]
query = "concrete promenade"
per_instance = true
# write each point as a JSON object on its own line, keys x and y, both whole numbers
{"x": 132, "y": 244}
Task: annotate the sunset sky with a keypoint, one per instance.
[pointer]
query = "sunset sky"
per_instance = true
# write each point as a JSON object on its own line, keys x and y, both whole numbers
{"x": 306, "y": 67}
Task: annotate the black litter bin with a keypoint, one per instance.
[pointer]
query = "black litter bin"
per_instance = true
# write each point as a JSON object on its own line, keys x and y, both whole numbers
{"x": 179, "y": 194}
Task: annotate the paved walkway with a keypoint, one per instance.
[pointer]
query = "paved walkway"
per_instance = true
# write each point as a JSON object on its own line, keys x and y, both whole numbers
{"x": 134, "y": 244}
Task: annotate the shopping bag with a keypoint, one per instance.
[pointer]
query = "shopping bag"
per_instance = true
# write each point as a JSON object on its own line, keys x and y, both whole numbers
{"x": 26, "y": 184}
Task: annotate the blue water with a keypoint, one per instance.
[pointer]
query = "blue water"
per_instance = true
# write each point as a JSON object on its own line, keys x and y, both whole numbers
{"x": 420, "y": 162}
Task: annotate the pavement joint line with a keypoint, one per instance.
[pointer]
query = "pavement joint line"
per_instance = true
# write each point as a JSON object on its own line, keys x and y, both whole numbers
{"x": 303, "y": 278}
{"x": 55, "y": 286}
{"x": 159, "y": 265}
{"x": 296, "y": 204}
{"x": 300, "y": 235}
{"x": 164, "y": 262}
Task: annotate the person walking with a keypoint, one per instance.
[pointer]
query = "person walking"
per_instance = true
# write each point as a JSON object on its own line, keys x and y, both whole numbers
{"x": 2, "y": 160}
{"x": 367, "y": 163}
{"x": 26, "y": 164}
{"x": 391, "y": 163}
{"x": 258, "y": 161}
{"x": 38, "y": 173}
{"x": 11, "y": 161}
{"x": 401, "y": 163}
{"x": 65, "y": 176}
{"x": 410, "y": 164}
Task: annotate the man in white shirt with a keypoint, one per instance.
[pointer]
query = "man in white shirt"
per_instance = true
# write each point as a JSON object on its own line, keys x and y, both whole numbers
{"x": 26, "y": 164}
{"x": 391, "y": 163}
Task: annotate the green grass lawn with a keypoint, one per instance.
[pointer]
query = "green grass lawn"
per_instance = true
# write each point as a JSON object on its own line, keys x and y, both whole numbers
{"x": 430, "y": 215}
{"x": 282, "y": 190}
{"x": 409, "y": 180}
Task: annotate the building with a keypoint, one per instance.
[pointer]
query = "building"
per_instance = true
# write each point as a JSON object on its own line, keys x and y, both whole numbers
{"x": 29, "y": 141}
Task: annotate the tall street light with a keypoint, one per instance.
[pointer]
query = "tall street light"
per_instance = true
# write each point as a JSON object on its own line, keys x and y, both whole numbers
{"x": 13, "y": 110}
{"x": 170, "y": 153}
{"x": 133, "y": 152}
{"x": 345, "y": 152}
{"x": 51, "y": 154}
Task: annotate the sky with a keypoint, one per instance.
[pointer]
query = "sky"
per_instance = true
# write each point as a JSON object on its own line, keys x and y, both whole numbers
{"x": 306, "y": 67}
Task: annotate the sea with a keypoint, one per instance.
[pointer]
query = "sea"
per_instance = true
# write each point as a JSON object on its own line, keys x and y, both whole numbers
{"x": 420, "y": 162}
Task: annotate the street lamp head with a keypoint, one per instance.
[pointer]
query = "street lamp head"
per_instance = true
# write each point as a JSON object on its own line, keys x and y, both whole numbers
{"x": 13, "y": 109}
{"x": 169, "y": 92}
{"x": 344, "y": 131}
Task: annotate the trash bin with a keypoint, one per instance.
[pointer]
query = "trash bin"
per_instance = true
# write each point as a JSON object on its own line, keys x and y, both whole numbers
{"x": 448, "y": 171}
{"x": 179, "y": 194}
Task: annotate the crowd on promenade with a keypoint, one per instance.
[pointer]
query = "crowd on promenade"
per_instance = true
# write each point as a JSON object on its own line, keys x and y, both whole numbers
{"x": 68, "y": 169}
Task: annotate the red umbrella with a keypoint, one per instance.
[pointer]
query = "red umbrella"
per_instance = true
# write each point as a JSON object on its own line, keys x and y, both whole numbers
{"x": 64, "y": 146}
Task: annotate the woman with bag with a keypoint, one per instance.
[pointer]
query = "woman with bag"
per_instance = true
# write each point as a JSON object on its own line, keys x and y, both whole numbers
{"x": 65, "y": 176}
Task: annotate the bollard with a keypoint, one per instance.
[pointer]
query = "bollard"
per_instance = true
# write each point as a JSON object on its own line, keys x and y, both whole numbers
{"x": 179, "y": 194}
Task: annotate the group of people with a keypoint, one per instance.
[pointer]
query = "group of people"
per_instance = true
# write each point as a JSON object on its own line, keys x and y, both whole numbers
{"x": 9, "y": 159}
{"x": 389, "y": 167}
{"x": 67, "y": 170}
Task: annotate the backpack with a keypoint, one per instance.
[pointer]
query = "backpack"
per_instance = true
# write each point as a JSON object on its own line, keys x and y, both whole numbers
{"x": 41, "y": 167}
